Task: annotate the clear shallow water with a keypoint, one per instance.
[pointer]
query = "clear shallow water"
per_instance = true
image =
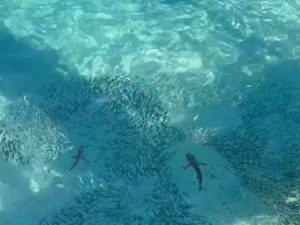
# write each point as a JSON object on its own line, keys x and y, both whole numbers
{"x": 225, "y": 73}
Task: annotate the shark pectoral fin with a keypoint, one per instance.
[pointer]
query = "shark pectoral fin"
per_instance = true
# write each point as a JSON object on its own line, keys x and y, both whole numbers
{"x": 201, "y": 163}
{"x": 74, "y": 157}
{"x": 72, "y": 167}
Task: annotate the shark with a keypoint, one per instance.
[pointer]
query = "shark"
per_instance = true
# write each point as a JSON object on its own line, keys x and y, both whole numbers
{"x": 192, "y": 162}
{"x": 80, "y": 156}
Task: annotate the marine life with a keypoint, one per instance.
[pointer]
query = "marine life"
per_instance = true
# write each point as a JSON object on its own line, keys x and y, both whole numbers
{"x": 129, "y": 152}
{"x": 132, "y": 150}
{"x": 257, "y": 162}
{"x": 46, "y": 141}
{"x": 192, "y": 162}
{"x": 78, "y": 157}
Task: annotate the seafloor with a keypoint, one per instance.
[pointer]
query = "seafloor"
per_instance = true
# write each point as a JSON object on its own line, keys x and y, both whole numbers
{"x": 139, "y": 84}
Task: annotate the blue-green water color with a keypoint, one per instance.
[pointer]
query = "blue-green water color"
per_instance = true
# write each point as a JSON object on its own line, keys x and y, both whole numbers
{"x": 138, "y": 85}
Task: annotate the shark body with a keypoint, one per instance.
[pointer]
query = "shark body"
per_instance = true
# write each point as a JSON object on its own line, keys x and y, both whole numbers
{"x": 192, "y": 162}
{"x": 78, "y": 157}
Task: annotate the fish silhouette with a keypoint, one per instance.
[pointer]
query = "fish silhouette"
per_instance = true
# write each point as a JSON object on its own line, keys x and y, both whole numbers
{"x": 78, "y": 157}
{"x": 192, "y": 162}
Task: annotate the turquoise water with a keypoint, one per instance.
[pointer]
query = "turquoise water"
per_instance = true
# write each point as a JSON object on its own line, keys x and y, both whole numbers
{"x": 140, "y": 84}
